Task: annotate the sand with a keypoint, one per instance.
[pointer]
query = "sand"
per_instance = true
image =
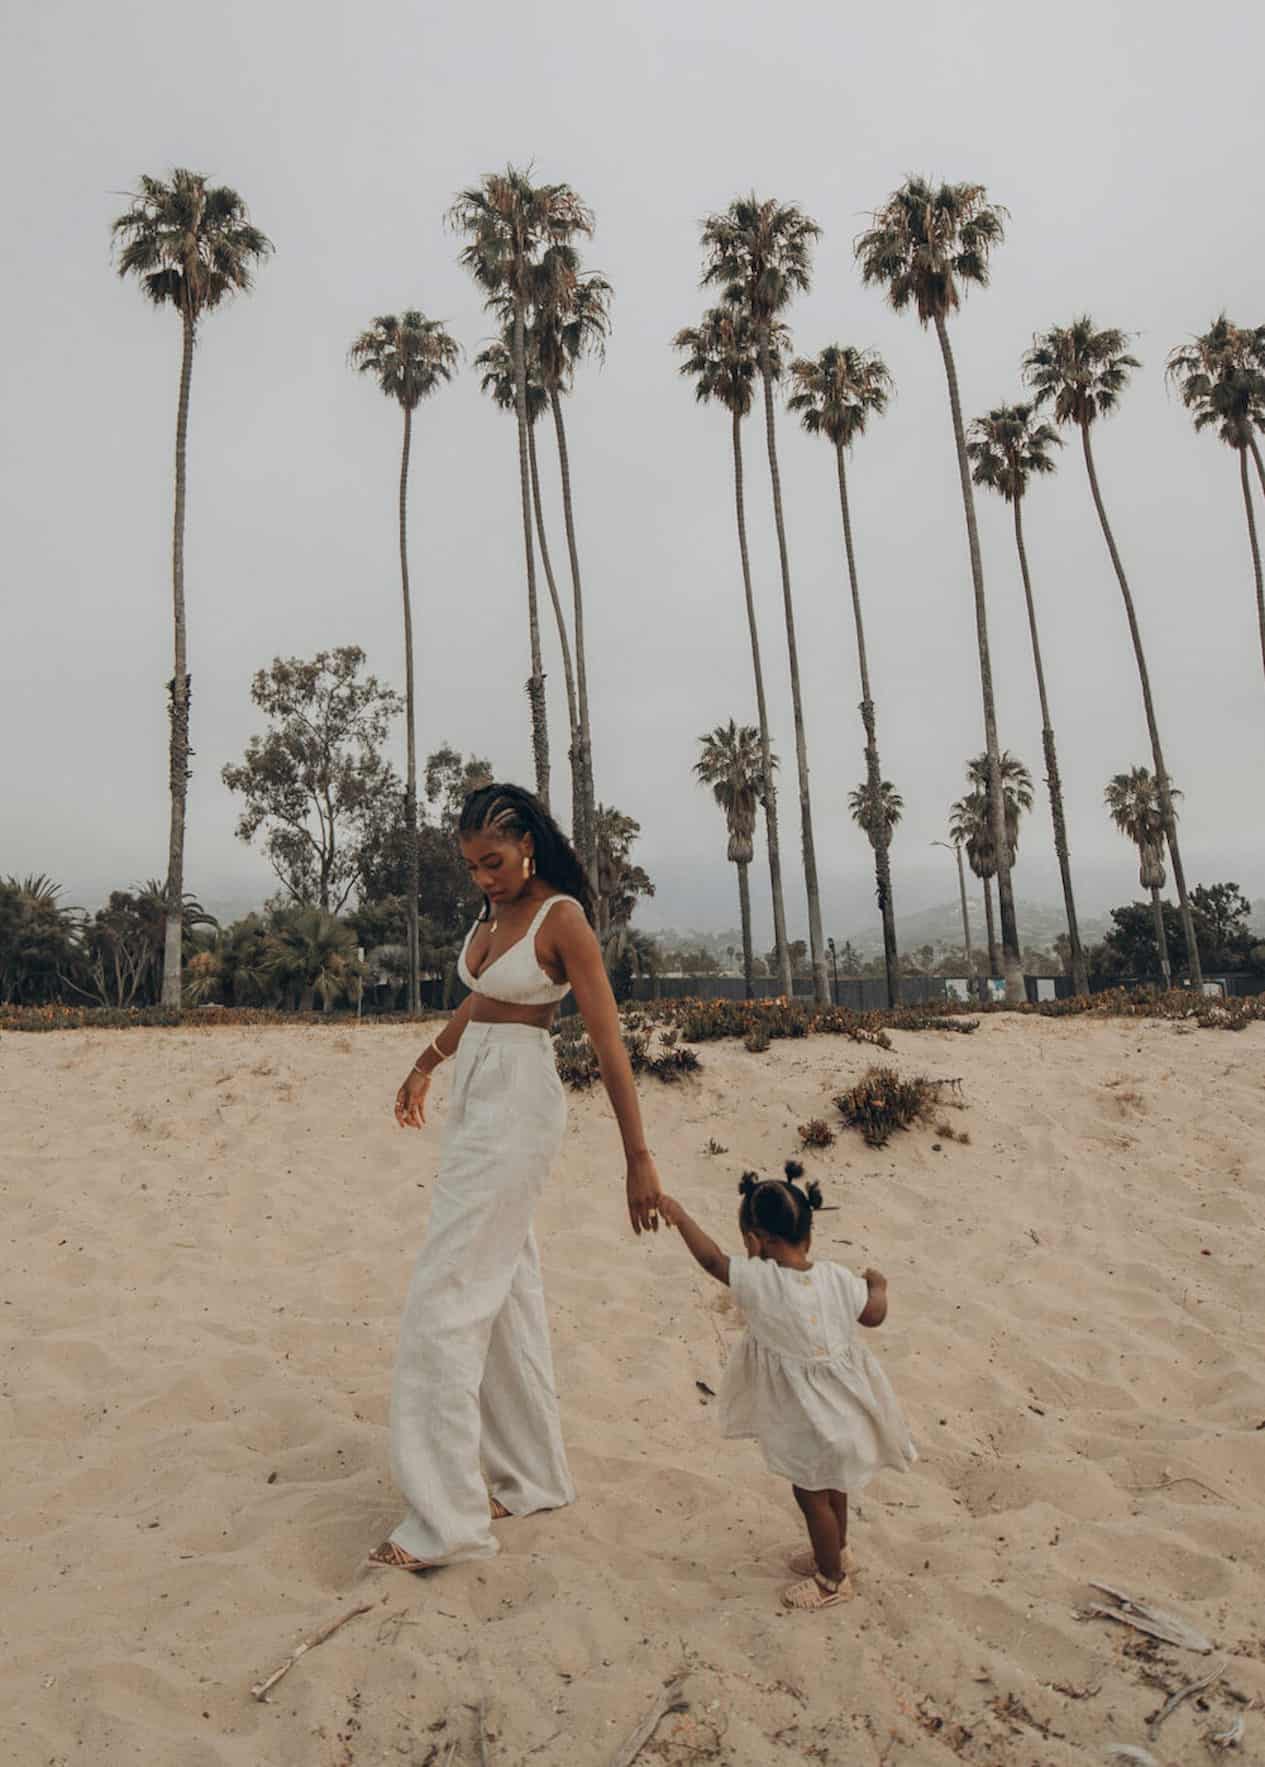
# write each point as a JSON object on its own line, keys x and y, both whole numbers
{"x": 209, "y": 1238}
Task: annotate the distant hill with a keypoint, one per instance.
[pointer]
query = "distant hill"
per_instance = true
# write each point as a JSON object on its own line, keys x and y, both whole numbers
{"x": 1040, "y": 923}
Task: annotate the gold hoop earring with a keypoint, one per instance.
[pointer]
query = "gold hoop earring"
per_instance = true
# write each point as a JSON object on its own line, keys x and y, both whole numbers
{"x": 529, "y": 865}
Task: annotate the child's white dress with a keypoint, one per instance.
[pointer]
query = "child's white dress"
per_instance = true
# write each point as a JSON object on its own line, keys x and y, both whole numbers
{"x": 804, "y": 1385}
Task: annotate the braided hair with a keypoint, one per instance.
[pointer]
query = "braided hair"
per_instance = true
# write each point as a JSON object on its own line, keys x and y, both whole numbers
{"x": 780, "y": 1209}
{"x": 510, "y": 811}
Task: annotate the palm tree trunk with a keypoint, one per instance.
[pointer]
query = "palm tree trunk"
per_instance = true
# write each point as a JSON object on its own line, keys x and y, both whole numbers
{"x": 588, "y": 832}
{"x": 879, "y": 835}
{"x": 1161, "y": 937}
{"x": 781, "y": 945}
{"x": 1256, "y": 551}
{"x": 410, "y": 714}
{"x": 178, "y": 699}
{"x": 816, "y": 941}
{"x": 568, "y": 672}
{"x": 1161, "y": 773}
{"x": 966, "y": 919}
{"x": 994, "y": 955}
{"x": 1080, "y": 973}
{"x": 744, "y": 902}
{"x": 1260, "y": 464}
{"x": 536, "y": 682}
{"x": 1013, "y": 962}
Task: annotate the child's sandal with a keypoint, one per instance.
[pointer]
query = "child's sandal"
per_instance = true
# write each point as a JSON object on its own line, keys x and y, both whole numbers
{"x": 816, "y": 1592}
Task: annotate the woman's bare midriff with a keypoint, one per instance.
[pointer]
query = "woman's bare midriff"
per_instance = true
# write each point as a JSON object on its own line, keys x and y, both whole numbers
{"x": 500, "y": 1012}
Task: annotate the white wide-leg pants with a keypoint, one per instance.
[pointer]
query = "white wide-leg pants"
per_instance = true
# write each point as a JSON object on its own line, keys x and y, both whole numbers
{"x": 474, "y": 1395}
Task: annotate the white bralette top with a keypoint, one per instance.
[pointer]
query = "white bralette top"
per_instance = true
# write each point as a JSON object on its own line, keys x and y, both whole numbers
{"x": 519, "y": 979}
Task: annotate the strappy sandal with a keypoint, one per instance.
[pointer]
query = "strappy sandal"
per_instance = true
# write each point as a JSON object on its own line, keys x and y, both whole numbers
{"x": 390, "y": 1557}
{"x": 815, "y": 1593}
{"x": 804, "y": 1564}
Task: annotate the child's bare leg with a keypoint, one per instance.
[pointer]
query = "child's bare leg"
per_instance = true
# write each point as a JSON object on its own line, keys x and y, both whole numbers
{"x": 823, "y": 1530}
{"x": 839, "y": 1503}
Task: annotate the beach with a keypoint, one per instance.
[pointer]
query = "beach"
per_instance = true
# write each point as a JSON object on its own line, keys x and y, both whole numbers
{"x": 210, "y": 1232}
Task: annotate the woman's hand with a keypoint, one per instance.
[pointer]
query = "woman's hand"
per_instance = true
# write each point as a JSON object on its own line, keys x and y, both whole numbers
{"x": 410, "y": 1100}
{"x": 644, "y": 1194}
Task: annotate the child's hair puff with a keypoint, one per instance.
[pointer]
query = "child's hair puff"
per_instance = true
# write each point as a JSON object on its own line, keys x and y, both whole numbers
{"x": 780, "y": 1208}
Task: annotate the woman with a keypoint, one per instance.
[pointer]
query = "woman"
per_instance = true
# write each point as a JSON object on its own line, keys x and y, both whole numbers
{"x": 474, "y": 1377}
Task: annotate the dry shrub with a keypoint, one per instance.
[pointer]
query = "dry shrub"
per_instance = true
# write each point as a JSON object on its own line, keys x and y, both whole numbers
{"x": 947, "y": 1132}
{"x": 816, "y": 1133}
{"x": 884, "y": 1101}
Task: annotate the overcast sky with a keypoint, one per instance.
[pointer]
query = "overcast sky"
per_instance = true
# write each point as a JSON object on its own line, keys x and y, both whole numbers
{"x": 1134, "y": 190}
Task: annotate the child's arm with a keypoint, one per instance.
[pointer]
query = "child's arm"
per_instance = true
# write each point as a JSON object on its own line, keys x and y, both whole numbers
{"x": 875, "y": 1310}
{"x": 704, "y": 1249}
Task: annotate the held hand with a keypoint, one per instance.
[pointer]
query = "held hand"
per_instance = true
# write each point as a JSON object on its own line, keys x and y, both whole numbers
{"x": 644, "y": 1194}
{"x": 671, "y": 1211}
{"x": 410, "y": 1100}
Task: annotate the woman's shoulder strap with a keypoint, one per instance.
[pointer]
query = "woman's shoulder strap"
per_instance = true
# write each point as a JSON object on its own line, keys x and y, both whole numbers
{"x": 548, "y": 903}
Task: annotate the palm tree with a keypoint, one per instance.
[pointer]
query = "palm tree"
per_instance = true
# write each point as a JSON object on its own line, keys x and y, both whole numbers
{"x": 732, "y": 764}
{"x": 496, "y": 361}
{"x": 190, "y": 245}
{"x": 972, "y": 824}
{"x": 1135, "y": 809}
{"x": 928, "y": 246}
{"x": 836, "y": 394}
{"x": 410, "y": 357}
{"x": 1009, "y": 447}
{"x": 1081, "y": 372}
{"x": 1223, "y": 385}
{"x": 722, "y": 356}
{"x": 572, "y": 321}
{"x": 759, "y": 254}
{"x": 971, "y": 827}
{"x": 509, "y": 223}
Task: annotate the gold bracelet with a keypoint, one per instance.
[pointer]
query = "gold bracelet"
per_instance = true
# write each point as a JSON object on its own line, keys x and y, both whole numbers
{"x": 433, "y": 1044}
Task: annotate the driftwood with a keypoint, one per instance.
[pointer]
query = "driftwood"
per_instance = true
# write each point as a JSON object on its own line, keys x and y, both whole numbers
{"x": 1125, "y": 1751}
{"x": 261, "y": 1688}
{"x": 668, "y": 1700}
{"x": 1184, "y": 1693}
{"x": 1167, "y": 1628}
{"x": 1229, "y": 1738}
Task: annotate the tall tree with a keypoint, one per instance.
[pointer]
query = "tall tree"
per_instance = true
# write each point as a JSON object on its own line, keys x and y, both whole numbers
{"x": 1224, "y": 386}
{"x": 316, "y": 782}
{"x": 971, "y": 828}
{"x": 496, "y": 364}
{"x": 722, "y": 356}
{"x": 835, "y": 394}
{"x": 1081, "y": 372}
{"x": 927, "y": 247}
{"x": 190, "y": 245}
{"x": 1133, "y": 801}
{"x": 759, "y": 253}
{"x": 733, "y": 765}
{"x": 571, "y": 322}
{"x": 509, "y": 223}
{"x": 1008, "y": 448}
{"x": 410, "y": 357}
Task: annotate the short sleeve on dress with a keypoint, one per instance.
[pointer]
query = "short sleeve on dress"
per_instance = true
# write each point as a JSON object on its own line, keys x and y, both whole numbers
{"x": 856, "y": 1291}
{"x": 749, "y": 1285}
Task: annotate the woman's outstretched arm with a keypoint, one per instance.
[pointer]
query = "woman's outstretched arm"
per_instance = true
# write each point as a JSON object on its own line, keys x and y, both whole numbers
{"x": 581, "y": 960}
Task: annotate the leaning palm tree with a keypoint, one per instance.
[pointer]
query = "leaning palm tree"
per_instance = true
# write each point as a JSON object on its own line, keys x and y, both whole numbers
{"x": 410, "y": 357}
{"x": 836, "y": 394}
{"x": 927, "y": 246}
{"x": 971, "y": 828}
{"x": 1081, "y": 372}
{"x": 190, "y": 245}
{"x": 509, "y": 223}
{"x": 496, "y": 364}
{"x": 1135, "y": 809}
{"x": 733, "y": 765}
{"x": 1007, "y": 448}
{"x": 721, "y": 355}
{"x": 759, "y": 254}
{"x": 572, "y": 321}
{"x": 1224, "y": 386}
